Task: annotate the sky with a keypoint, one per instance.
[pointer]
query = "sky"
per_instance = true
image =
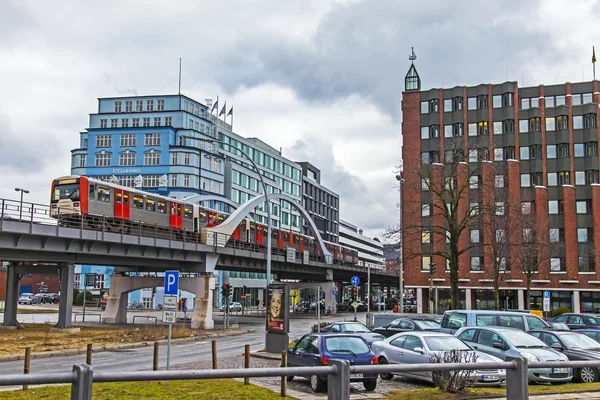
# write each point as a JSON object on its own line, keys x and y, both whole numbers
{"x": 322, "y": 79}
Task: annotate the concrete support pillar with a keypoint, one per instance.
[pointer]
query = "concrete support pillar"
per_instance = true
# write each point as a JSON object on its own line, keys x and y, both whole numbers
{"x": 202, "y": 315}
{"x": 116, "y": 304}
{"x": 330, "y": 300}
{"x": 521, "y": 299}
{"x": 468, "y": 299}
{"x": 12, "y": 296}
{"x": 261, "y": 294}
{"x": 419, "y": 300}
{"x": 576, "y": 302}
{"x": 66, "y": 274}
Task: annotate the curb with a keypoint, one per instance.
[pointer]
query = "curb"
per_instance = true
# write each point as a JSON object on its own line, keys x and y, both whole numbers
{"x": 265, "y": 356}
{"x": 113, "y": 347}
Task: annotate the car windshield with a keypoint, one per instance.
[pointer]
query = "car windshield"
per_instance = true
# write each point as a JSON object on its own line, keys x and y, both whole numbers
{"x": 523, "y": 340}
{"x": 62, "y": 192}
{"x": 428, "y": 324}
{"x": 346, "y": 345}
{"x": 560, "y": 325}
{"x": 579, "y": 341}
{"x": 442, "y": 343}
{"x": 353, "y": 328}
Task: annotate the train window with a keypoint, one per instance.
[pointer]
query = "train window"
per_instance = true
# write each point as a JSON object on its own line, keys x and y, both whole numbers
{"x": 138, "y": 201}
{"x": 187, "y": 212}
{"x": 118, "y": 198}
{"x": 161, "y": 207}
{"x": 175, "y": 209}
{"x": 203, "y": 218}
{"x": 92, "y": 192}
{"x": 126, "y": 199}
{"x": 150, "y": 205}
{"x": 104, "y": 195}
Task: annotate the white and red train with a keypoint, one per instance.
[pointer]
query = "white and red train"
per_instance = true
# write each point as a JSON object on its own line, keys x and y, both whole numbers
{"x": 104, "y": 205}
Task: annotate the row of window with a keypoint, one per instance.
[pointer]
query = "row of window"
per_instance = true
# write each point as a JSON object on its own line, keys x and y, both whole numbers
{"x": 127, "y": 159}
{"x": 135, "y": 122}
{"x": 560, "y": 178}
{"x": 557, "y": 264}
{"x": 209, "y": 163}
{"x": 193, "y": 109}
{"x": 197, "y": 126}
{"x": 150, "y": 139}
{"x": 139, "y": 106}
{"x": 176, "y": 180}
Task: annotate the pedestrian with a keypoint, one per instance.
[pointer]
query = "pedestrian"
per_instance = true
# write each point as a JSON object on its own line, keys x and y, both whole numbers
{"x": 179, "y": 303}
{"x": 257, "y": 303}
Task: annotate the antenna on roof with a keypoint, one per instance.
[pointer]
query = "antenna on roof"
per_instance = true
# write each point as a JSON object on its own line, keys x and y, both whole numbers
{"x": 413, "y": 56}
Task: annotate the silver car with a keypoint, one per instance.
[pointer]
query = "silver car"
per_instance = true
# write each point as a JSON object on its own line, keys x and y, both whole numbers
{"x": 502, "y": 342}
{"x": 417, "y": 347}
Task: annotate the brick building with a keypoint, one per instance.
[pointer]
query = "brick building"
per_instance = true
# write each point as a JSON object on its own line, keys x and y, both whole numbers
{"x": 30, "y": 283}
{"x": 541, "y": 151}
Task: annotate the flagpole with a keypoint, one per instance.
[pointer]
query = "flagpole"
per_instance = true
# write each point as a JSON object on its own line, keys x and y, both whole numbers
{"x": 180, "y": 76}
{"x": 594, "y": 60}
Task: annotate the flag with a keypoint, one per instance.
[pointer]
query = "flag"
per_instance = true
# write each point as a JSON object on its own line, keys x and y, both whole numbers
{"x": 215, "y": 106}
{"x": 593, "y": 55}
{"x": 223, "y": 109}
{"x": 230, "y": 112}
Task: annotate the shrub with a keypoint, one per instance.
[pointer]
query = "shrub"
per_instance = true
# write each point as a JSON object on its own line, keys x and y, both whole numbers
{"x": 75, "y": 293}
{"x": 453, "y": 381}
{"x": 560, "y": 311}
{"x": 323, "y": 325}
{"x": 79, "y": 298}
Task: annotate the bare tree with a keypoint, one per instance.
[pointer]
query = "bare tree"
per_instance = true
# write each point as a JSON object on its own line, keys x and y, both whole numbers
{"x": 454, "y": 381}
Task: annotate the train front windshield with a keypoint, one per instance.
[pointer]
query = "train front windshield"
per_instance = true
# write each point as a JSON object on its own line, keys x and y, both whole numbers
{"x": 66, "y": 192}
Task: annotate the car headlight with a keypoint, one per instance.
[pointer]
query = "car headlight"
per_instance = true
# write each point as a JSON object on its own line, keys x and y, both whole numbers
{"x": 529, "y": 357}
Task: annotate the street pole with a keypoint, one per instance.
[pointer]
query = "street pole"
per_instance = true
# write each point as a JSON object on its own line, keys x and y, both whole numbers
{"x": 431, "y": 269}
{"x": 84, "y": 285}
{"x": 318, "y": 309}
{"x": 21, "y": 203}
{"x": 400, "y": 260}
{"x": 368, "y": 288}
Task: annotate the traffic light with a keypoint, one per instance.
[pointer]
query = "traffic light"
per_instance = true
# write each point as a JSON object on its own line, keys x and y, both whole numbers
{"x": 226, "y": 290}
{"x": 354, "y": 292}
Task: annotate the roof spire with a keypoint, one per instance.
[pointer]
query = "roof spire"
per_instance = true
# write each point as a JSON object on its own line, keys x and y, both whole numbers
{"x": 413, "y": 56}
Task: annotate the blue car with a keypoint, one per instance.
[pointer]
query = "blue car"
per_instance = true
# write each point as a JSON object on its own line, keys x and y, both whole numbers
{"x": 356, "y": 329}
{"x": 594, "y": 333}
{"x": 317, "y": 349}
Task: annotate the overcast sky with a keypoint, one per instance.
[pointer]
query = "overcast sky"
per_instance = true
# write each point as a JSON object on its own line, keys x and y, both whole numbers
{"x": 320, "y": 78}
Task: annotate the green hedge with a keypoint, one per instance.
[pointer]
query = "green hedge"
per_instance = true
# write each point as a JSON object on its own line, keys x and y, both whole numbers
{"x": 560, "y": 311}
{"x": 79, "y": 298}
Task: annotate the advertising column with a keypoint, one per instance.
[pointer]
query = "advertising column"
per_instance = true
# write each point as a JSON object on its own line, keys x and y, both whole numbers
{"x": 278, "y": 318}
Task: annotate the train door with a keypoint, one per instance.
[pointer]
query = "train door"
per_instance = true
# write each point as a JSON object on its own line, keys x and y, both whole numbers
{"x": 259, "y": 235}
{"x": 280, "y": 239}
{"x": 176, "y": 217}
{"x": 302, "y": 244}
{"x": 292, "y": 244}
{"x": 122, "y": 204}
{"x": 236, "y": 232}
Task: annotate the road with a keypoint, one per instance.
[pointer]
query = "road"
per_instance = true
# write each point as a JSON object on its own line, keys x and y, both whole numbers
{"x": 181, "y": 352}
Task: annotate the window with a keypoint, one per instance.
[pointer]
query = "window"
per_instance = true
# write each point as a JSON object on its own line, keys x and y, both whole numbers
{"x": 139, "y": 104}
{"x": 434, "y": 131}
{"x": 128, "y": 105}
{"x": 103, "y": 141}
{"x": 524, "y": 153}
{"x": 497, "y": 126}
{"x": 152, "y": 139}
{"x": 425, "y": 237}
{"x": 425, "y": 210}
{"x": 576, "y": 99}
{"x": 473, "y": 156}
{"x": 557, "y": 264}
{"x": 474, "y": 182}
{"x": 552, "y": 179}
{"x": 578, "y": 150}
{"x": 500, "y": 235}
{"x": 128, "y": 140}
{"x": 586, "y": 264}
{"x": 527, "y": 235}
{"x": 174, "y": 158}
{"x": 217, "y": 166}
{"x": 476, "y": 264}
{"x": 474, "y": 208}
{"x": 82, "y": 159}
{"x": 149, "y": 105}
{"x": 174, "y": 179}
{"x": 482, "y": 128}
{"x": 157, "y": 121}
{"x": 117, "y": 106}
{"x": 161, "y": 105}
{"x": 103, "y": 123}
{"x": 136, "y": 122}
{"x": 126, "y": 159}
{"x": 146, "y": 122}
{"x": 537, "y": 179}
{"x": 187, "y": 159}
{"x": 581, "y": 206}
{"x": 457, "y": 103}
{"x": 535, "y": 102}
{"x": 582, "y": 235}
{"x": 424, "y": 132}
{"x": 152, "y": 181}
{"x": 124, "y": 122}
{"x": 472, "y": 103}
{"x": 535, "y": 124}
{"x": 563, "y": 150}
{"x": 577, "y": 122}
{"x": 499, "y": 208}
{"x": 424, "y": 107}
{"x": 482, "y": 101}
{"x": 152, "y": 158}
{"x": 447, "y": 130}
{"x": 168, "y": 121}
{"x": 550, "y": 124}
{"x": 560, "y": 100}
{"x": 186, "y": 180}
{"x": 552, "y": 206}
{"x": 430, "y": 157}
{"x": 591, "y": 148}
{"x": 535, "y": 151}
{"x": 564, "y": 178}
{"x": 556, "y": 235}
{"x": 509, "y": 153}
{"x": 580, "y": 177}
{"x": 562, "y": 122}
{"x": 447, "y": 105}
{"x": 549, "y": 101}
{"x": 497, "y": 101}
{"x": 499, "y": 181}
{"x": 103, "y": 160}
{"x": 525, "y": 104}
{"x": 426, "y": 263}
{"x": 551, "y": 151}
{"x": 589, "y": 120}
{"x": 587, "y": 98}
{"x": 425, "y": 184}
{"x": 526, "y": 208}
{"x": 507, "y": 99}
{"x": 592, "y": 176}
{"x": 472, "y": 129}
{"x": 475, "y": 235}
{"x": 499, "y": 154}
{"x": 114, "y": 123}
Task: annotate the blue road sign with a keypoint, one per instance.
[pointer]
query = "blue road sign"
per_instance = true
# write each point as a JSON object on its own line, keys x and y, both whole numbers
{"x": 546, "y": 294}
{"x": 184, "y": 309}
{"x": 335, "y": 293}
{"x": 171, "y": 282}
{"x": 355, "y": 281}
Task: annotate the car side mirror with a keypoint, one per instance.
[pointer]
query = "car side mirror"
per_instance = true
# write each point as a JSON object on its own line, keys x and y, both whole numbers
{"x": 499, "y": 345}
{"x": 419, "y": 350}
{"x": 557, "y": 346}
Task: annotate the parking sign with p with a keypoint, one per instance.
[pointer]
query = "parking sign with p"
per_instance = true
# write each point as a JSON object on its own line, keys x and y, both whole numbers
{"x": 171, "y": 282}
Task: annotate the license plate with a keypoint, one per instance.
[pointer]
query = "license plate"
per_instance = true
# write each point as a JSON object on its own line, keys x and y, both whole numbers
{"x": 560, "y": 370}
{"x": 356, "y": 376}
{"x": 490, "y": 377}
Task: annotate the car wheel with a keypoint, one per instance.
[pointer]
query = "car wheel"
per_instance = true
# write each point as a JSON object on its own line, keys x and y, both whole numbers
{"x": 317, "y": 384}
{"x": 370, "y": 385}
{"x": 587, "y": 375}
{"x": 290, "y": 378}
{"x": 386, "y": 376}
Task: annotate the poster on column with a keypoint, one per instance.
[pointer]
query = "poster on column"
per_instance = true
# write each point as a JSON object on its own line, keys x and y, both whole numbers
{"x": 278, "y": 311}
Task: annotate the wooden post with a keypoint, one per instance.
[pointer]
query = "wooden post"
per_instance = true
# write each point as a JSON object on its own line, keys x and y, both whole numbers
{"x": 247, "y": 362}
{"x": 155, "y": 359}
{"x": 214, "y": 354}
{"x": 283, "y": 378}
{"x": 27, "y": 364}
{"x": 88, "y": 354}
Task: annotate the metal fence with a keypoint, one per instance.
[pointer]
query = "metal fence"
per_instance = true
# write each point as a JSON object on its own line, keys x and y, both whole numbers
{"x": 338, "y": 375}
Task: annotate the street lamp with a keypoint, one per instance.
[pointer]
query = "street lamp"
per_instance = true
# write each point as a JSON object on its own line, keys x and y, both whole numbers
{"x": 23, "y": 191}
{"x": 401, "y": 261}
{"x": 431, "y": 272}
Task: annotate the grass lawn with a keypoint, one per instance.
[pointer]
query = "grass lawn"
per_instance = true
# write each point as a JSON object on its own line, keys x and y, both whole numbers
{"x": 436, "y": 394}
{"x": 39, "y": 337}
{"x": 222, "y": 389}
{"x": 33, "y": 311}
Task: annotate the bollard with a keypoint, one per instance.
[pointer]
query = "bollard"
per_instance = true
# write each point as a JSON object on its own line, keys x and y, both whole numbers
{"x": 88, "y": 354}
{"x": 517, "y": 379}
{"x": 155, "y": 359}
{"x": 283, "y": 378}
{"x": 27, "y": 364}
{"x": 214, "y": 354}
{"x": 338, "y": 385}
{"x": 247, "y": 362}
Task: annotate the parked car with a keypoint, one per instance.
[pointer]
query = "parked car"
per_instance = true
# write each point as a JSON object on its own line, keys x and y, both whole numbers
{"x": 593, "y": 333}
{"x": 26, "y": 298}
{"x": 38, "y": 298}
{"x": 354, "y": 329}
{"x": 501, "y": 342}
{"x": 234, "y": 306}
{"x": 579, "y": 321}
{"x": 577, "y": 347}
{"x": 408, "y": 324}
{"x": 454, "y": 320}
{"x": 316, "y": 349}
{"x": 417, "y": 347}
{"x": 558, "y": 326}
